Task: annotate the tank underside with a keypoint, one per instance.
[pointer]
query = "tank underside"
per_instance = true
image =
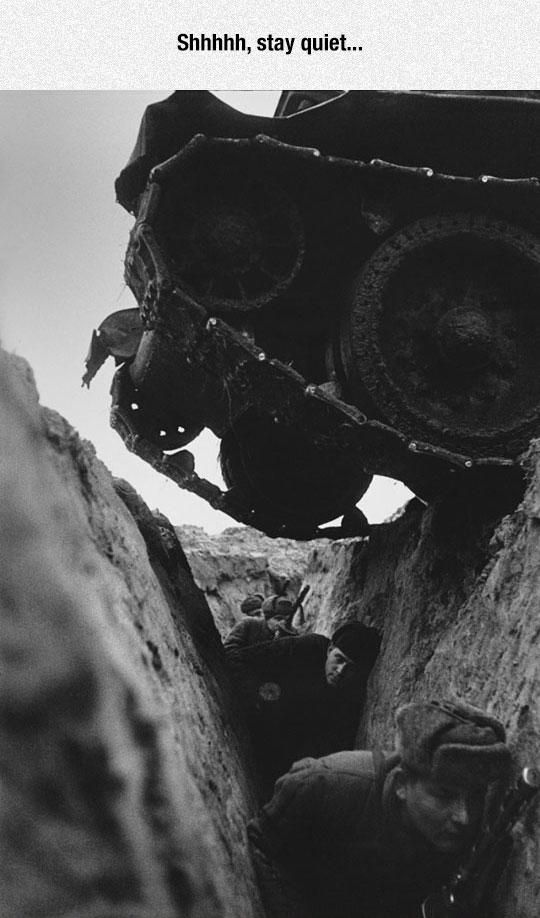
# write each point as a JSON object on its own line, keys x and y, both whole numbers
{"x": 328, "y": 319}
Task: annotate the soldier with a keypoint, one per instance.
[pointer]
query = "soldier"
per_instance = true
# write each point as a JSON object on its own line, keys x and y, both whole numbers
{"x": 275, "y": 623}
{"x": 303, "y": 695}
{"x": 362, "y": 835}
{"x": 252, "y": 604}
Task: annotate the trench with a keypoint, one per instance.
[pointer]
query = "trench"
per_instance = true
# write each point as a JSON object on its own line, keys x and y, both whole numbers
{"x": 127, "y": 776}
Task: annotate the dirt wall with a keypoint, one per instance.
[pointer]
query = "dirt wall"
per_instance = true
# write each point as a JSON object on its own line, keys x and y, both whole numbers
{"x": 229, "y": 565}
{"x": 124, "y": 789}
{"x": 455, "y": 591}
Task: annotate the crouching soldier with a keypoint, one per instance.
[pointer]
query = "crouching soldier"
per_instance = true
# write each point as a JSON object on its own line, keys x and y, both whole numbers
{"x": 275, "y": 623}
{"x": 362, "y": 835}
{"x": 303, "y": 695}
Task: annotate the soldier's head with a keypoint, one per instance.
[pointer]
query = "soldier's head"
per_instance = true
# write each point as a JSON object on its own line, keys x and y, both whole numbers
{"x": 351, "y": 653}
{"x": 252, "y": 604}
{"x": 451, "y": 754}
{"x": 277, "y": 611}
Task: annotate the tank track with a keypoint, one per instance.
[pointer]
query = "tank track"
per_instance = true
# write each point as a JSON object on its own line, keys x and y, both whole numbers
{"x": 220, "y": 373}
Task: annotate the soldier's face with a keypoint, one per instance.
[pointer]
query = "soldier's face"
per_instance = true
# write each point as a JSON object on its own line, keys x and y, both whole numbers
{"x": 338, "y": 666}
{"x": 447, "y": 815}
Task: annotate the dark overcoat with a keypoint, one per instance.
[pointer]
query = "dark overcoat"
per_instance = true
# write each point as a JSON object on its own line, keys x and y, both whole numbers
{"x": 331, "y": 844}
{"x": 291, "y": 710}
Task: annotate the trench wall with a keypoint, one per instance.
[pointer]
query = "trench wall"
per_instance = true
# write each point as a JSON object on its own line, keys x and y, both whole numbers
{"x": 229, "y": 565}
{"x": 456, "y": 595}
{"x": 124, "y": 790}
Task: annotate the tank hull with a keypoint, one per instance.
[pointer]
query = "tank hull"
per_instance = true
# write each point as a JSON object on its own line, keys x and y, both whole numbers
{"x": 348, "y": 291}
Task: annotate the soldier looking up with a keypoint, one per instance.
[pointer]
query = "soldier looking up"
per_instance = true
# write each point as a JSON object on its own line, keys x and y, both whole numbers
{"x": 303, "y": 695}
{"x": 363, "y": 835}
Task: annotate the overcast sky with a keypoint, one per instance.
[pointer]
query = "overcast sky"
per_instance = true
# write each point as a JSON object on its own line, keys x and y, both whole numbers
{"x": 62, "y": 243}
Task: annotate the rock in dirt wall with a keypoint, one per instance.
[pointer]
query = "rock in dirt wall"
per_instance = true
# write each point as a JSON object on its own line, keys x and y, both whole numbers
{"x": 238, "y": 561}
{"x": 123, "y": 789}
{"x": 456, "y": 594}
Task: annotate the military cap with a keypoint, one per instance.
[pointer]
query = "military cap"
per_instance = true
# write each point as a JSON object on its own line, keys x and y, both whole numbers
{"x": 251, "y": 603}
{"x": 358, "y": 642}
{"x": 277, "y": 606}
{"x": 451, "y": 741}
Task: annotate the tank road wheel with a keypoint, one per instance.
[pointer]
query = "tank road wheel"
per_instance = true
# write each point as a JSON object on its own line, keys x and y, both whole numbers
{"x": 289, "y": 477}
{"x": 236, "y": 243}
{"x": 443, "y": 335}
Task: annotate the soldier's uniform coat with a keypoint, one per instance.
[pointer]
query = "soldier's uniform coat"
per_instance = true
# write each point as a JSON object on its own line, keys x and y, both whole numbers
{"x": 248, "y": 632}
{"x": 291, "y": 710}
{"x": 330, "y": 844}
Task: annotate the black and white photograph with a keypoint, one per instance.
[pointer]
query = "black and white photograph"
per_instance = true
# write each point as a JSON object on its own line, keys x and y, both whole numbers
{"x": 270, "y": 477}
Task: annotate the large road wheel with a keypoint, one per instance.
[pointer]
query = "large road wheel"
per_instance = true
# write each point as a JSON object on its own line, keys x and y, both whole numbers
{"x": 236, "y": 241}
{"x": 443, "y": 336}
{"x": 289, "y": 477}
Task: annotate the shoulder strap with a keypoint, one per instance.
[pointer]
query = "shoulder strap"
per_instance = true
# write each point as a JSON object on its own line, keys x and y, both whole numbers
{"x": 380, "y": 769}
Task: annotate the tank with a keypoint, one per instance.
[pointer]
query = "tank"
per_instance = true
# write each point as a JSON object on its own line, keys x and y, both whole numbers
{"x": 348, "y": 288}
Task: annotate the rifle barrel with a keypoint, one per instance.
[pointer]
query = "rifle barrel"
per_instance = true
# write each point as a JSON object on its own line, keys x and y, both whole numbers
{"x": 475, "y": 872}
{"x": 299, "y": 599}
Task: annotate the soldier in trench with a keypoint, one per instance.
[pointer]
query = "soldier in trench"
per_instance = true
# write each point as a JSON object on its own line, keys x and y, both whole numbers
{"x": 303, "y": 695}
{"x": 365, "y": 835}
{"x": 275, "y": 623}
{"x": 251, "y": 605}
